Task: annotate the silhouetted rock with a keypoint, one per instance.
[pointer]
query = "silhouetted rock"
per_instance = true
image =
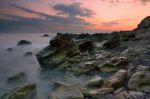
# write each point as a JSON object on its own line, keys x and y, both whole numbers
{"x": 24, "y": 42}
{"x": 145, "y": 23}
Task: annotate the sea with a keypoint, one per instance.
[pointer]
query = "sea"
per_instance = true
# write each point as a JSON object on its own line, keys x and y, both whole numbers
{"x": 15, "y": 61}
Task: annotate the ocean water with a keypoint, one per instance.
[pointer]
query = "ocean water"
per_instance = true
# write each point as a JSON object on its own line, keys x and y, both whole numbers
{"x": 12, "y": 62}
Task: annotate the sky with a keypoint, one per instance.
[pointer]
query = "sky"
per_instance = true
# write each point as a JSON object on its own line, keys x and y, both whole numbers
{"x": 73, "y": 16}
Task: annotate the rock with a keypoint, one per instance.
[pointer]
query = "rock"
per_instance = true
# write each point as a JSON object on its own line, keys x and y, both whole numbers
{"x": 82, "y": 67}
{"x": 22, "y": 92}
{"x": 24, "y": 42}
{"x": 87, "y": 46}
{"x": 10, "y": 49}
{"x": 140, "y": 80}
{"x": 116, "y": 80}
{"x": 61, "y": 48}
{"x": 95, "y": 81}
{"x": 130, "y": 95}
{"x": 95, "y": 93}
{"x": 145, "y": 23}
{"x": 19, "y": 77}
{"x": 28, "y": 54}
{"x": 66, "y": 91}
{"x": 45, "y": 35}
{"x": 113, "y": 42}
{"x": 113, "y": 64}
{"x": 128, "y": 36}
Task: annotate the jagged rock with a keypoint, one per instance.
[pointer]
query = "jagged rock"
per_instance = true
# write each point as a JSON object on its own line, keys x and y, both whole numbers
{"x": 24, "y": 42}
{"x": 113, "y": 64}
{"x": 61, "y": 48}
{"x": 22, "y": 92}
{"x": 140, "y": 80}
{"x": 82, "y": 67}
{"x": 95, "y": 81}
{"x": 66, "y": 91}
{"x": 87, "y": 46}
{"x": 95, "y": 93}
{"x": 113, "y": 42}
{"x": 130, "y": 95}
{"x": 116, "y": 80}
{"x": 145, "y": 23}
{"x": 19, "y": 77}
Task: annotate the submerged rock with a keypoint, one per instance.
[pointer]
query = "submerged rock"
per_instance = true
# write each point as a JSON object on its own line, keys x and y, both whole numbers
{"x": 9, "y": 49}
{"x": 45, "y": 35}
{"x": 19, "y": 77}
{"x": 115, "y": 80}
{"x": 22, "y": 92}
{"x": 24, "y": 42}
{"x": 28, "y": 54}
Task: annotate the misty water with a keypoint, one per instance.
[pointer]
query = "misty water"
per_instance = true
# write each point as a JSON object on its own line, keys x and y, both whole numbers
{"x": 15, "y": 61}
{"x": 12, "y": 62}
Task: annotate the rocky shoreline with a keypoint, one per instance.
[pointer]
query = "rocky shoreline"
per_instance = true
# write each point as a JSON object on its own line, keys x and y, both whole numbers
{"x": 97, "y": 66}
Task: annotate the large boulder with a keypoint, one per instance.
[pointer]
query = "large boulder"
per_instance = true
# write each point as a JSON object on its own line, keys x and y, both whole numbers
{"x": 63, "y": 90}
{"x": 22, "y": 92}
{"x": 145, "y": 23}
{"x": 116, "y": 80}
{"x": 113, "y": 64}
{"x": 61, "y": 48}
{"x": 140, "y": 80}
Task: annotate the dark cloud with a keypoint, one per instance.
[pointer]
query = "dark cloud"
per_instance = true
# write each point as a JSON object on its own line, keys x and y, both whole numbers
{"x": 45, "y": 22}
{"x": 74, "y": 9}
{"x": 145, "y": 1}
{"x": 110, "y": 24}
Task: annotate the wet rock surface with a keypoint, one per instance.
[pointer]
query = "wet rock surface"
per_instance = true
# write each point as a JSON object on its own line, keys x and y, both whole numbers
{"x": 97, "y": 66}
{"x": 122, "y": 56}
{"x": 22, "y": 92}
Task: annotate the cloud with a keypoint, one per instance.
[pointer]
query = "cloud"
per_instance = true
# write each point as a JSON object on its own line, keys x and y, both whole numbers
{"x": 45, "y": 22}
{"x": 116, "y": 2}
{"x": 74, "y": 9}
{"x": 110, "y": 24}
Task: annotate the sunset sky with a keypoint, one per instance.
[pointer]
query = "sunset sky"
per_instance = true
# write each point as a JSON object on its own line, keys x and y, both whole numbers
{"x": 48, "y": 16}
